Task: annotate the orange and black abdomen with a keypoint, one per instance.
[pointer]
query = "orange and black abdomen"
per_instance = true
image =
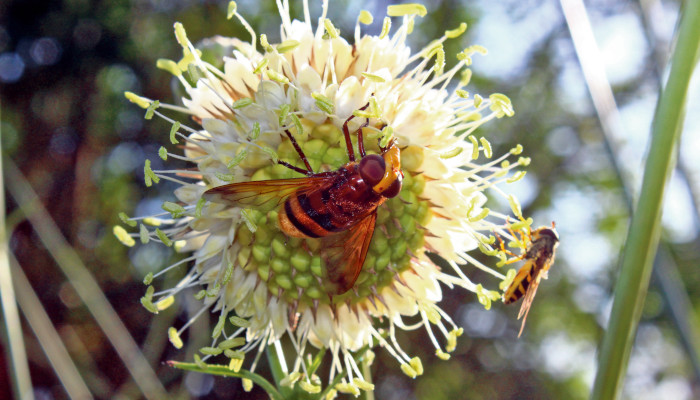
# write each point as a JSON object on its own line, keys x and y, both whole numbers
{"x": 330, "y": 209}
{"x": 521, "y": 282}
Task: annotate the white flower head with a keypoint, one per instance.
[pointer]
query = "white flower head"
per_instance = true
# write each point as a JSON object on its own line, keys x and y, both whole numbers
{"x": 268, "y": 287}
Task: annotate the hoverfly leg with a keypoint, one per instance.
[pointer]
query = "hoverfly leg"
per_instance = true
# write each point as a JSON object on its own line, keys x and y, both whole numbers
{"x": 297, "y": 169}
{"x": 360, "y": 140}
{"x": 502, "y": 245}
{"x": 346, "y": 133}
{"x": 300, "y": 152}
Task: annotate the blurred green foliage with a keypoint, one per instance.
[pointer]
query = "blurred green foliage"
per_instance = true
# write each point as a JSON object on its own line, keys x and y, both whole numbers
{"x": 82, "y": 145}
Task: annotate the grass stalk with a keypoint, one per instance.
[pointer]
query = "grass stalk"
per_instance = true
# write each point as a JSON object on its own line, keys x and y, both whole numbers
{"x": 84, "y": 284}
{"x": 643, "y": 235}
{"x": 21, "y": 381}
{"x": 49, "y": 338}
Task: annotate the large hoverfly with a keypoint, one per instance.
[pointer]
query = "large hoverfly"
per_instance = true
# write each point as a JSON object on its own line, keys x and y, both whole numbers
{"x": 339, "y": 208}
{"x": 538, "y": 248}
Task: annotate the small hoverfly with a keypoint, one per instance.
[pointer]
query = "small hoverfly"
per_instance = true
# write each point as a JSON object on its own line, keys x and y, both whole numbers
{"x": 538, "y": 248}
{"x": 337, "y": 207}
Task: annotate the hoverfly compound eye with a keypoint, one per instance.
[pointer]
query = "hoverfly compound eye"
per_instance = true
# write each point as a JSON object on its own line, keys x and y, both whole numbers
{"x": 372, "y": 168}
{"x": 394, "y": 188}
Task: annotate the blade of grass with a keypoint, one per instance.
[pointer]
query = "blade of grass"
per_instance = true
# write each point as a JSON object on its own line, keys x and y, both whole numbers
{"x": 665, "y": 269}
{"x": 643, "y": 235}
{"x": 84, "y": 284}
{"x": 47, "y": 335}
{"x": 19, "y": 368}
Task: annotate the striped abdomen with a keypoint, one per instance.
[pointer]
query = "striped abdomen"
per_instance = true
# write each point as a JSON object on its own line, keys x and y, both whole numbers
{"x": 329, "y": 209}
{"x": 521, "y": 282}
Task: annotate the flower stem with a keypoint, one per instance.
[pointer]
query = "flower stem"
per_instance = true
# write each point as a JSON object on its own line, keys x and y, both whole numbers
{"x": 223, "y": 370}
{"x": 643, "y": 235}
{"x": 276, "y": 369}
{"x": 367, "y": 374}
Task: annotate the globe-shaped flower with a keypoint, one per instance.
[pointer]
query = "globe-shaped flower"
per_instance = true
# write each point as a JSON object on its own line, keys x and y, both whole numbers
{"x": 258, "y": 113}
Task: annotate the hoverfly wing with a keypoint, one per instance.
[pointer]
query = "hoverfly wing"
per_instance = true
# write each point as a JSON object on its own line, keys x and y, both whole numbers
{"x": 529, "y": 297}
{"x": 345, "y": 253}
{"x": 255, "y": 194}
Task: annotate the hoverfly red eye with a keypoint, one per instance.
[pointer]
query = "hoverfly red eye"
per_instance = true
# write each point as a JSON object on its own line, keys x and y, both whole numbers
{"x": 372, "y": 169}
{"x": 394, "y": 188}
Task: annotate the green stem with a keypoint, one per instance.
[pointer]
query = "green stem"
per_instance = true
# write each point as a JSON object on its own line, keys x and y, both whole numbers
{"x": 19, "y": 366}
{"x": 223, "y": 370}
{"x": 644, "y": 230}
{"x": 277, "y": 372}
{"x": 367, "y": 373}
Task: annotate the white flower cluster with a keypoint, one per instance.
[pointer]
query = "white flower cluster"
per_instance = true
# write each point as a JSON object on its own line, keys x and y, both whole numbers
{"x": 266, "y": 286}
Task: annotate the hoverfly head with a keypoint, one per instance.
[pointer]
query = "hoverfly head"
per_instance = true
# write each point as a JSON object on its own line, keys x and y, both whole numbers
{"x": 383, "y": 172}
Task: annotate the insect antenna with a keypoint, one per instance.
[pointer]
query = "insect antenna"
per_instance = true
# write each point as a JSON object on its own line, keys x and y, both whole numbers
{"x": 348, "y": 142}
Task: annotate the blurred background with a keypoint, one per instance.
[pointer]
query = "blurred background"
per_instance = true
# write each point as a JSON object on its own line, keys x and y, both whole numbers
{"x": 69, "y": 132}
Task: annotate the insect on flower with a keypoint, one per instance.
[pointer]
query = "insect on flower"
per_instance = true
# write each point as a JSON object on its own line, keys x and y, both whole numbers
{"x": 538, "y": 249}
{"x": 337, "y": 207}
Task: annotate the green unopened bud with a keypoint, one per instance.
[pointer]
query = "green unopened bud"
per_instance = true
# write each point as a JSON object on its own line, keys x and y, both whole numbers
{"x": 149, "y": 175}
{"x": 239, "y": 322}
{"x": 173, "y": 132}
{"x": 164, "y": 303}
{"x": 138, "y": 100}
{"x": 478, "y": 100}
{"x": 287, "y": 45}
{"x": 488, "y": 152}
{"x": 231, "y": 10}
{"x": 365, "y": 17}
{"x": 516, "y": 177}
{"x": 123, "y": 236}
{"x": 291, "y": 379}
{"x": 309, "y": 387}
{"x": 455, "y": 33}
{"x": 174, "y": 338}
{"x": 363, "y": 385}
{"x": 152, "y": 109}
{"x": 399, "y": 10}
{"x": 510, "y": 275}
{"x": 210, "y": 351}
{"x": 180, "y": 34}
{"x": 240, "y": 103}
{"x": 373, "y": 77}
{"x": 261, "y": 66}
{"x": 442, "y": 355}
{"x": 201, "y": 364}
{"x": 516, "y": 150}
{"x": 277, "y": 77}
{"x": 501, "y": 105}
{"x": 164, "y": 238}
{"x": 386, "y": 26}
{"x": 125, "y": 219}
{"x": 417, "y": 365}
{"x": 231, "y": 343}
{"x": 323, "y": 103}
{"x": 175, "y": 210}
{"x": 475, "y": 147}
{"x": 515, "y": 206}
{"x": 169, "y": 65}
{"x": 331, "y": 30}
{"x": 199, "y": 207}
